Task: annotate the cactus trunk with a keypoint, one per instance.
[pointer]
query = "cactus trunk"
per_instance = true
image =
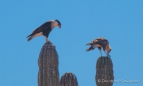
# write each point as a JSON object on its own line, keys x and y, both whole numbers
{"x": 104, "y": 72}
{"x": 48, "y": 74}
{"x": 68, "y": 79}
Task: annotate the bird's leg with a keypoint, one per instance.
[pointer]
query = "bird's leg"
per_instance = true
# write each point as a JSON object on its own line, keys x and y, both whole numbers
{"x": 107, "y": 54}
{"x": 100, "y": 51}
{"x": 47, "y": 39}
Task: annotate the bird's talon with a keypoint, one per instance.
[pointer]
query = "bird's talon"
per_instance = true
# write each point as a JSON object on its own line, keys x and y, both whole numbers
{"x": 47, "y": 41}
{"x": 108, "y": 56}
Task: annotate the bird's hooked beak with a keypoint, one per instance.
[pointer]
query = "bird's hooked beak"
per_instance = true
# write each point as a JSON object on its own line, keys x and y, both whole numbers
{"x": 59, "y": 25}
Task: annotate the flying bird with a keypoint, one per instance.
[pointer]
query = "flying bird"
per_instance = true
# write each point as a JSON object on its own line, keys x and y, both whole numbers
{"x": 100, "y": 43}
{"x": 44, "y": 29}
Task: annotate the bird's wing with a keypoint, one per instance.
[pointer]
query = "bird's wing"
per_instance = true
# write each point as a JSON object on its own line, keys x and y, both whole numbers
{"x": 95, "y": 40}
{"x": 97, "y": 45}
{"x": 102, "y": 42}
{"x": 99, "y": 42}
{"x": 93, "y": 46}
{"x": 90, "y": 43}
{"x": 42, "y": 28}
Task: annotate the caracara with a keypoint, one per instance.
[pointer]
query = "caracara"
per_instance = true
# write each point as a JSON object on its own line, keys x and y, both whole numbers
{"x": 100, "y": 43}
{"x": 44, "y": 29}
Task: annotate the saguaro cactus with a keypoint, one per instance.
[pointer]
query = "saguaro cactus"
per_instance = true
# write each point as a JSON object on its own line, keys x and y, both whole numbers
{"x": 48, "y": 74}
{"x": 104, "y": 72}
{"x": 68, "y": 79}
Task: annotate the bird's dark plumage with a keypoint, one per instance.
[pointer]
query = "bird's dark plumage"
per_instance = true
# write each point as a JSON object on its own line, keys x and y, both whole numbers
{"x": 44, "y": 29}
{"x": 100, "y": 43}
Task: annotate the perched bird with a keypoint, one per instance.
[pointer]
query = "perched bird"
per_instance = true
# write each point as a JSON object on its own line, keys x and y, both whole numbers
{"x": 100, "y": 43}
{"x": 44, "y": 29}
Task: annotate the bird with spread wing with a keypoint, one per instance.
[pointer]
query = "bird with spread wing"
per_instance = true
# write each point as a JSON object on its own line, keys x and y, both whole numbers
{"x": 44, "y": 29}
{"x": 100, "y": 43}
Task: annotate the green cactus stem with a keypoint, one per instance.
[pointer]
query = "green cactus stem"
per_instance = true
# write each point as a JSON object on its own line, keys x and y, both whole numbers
{"x": 104, "y": 71}
{"x": 48, "y": 74}
{"x": 68, "y": 79}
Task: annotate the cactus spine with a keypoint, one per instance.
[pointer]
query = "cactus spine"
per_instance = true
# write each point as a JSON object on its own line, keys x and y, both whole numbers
{"x": 48, "y": 74}
{"x": 68, "y": 79}
{"x": 104, "y": 72}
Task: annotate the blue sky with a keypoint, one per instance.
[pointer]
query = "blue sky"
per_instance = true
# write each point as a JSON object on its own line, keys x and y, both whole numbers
{"x": 119, "y": 21}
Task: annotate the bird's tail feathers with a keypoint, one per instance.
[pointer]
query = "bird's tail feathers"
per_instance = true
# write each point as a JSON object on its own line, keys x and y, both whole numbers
{"x": 86, "y": 44}
{"x": 90, "y": 48}
{"x": 89, "y": 43}
{"x": 29, "y": 38}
